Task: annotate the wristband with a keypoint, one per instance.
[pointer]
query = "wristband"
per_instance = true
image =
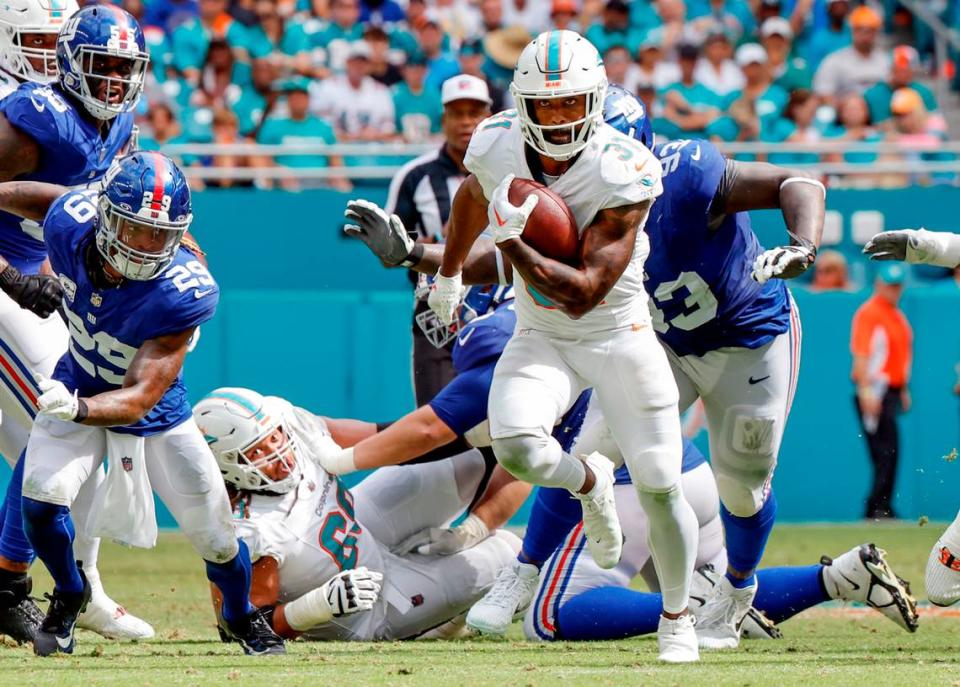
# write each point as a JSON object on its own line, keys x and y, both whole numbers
{"x": 341, "y": 463}
{"x": 309, "y": 610}
{"x": 414, "y": 257}
{"x": 9, "y": 277}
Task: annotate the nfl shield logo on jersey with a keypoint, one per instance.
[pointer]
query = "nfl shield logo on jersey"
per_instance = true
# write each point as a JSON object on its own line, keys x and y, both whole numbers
{"x": 69, "y": 287}
{"x": 127, "y": 463}
{"x": 95, "y": 300}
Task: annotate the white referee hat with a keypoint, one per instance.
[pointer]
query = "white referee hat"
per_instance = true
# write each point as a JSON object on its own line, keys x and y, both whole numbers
{"x": 464, "y": 87}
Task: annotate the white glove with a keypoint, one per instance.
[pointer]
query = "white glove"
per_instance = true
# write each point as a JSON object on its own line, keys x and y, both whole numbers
{"x": 917, "y": 246}
{"x": 444, "y": 541}
{"x": 348, "y": 592}
{"x": 507, "y": 220}
{"x": 445, "y": 296}
{"x": 56, "y": 400}
{"x": 783, "y": 262}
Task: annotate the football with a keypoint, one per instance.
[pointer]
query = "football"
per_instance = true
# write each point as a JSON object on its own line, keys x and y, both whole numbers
{"x": 551, "y": 229}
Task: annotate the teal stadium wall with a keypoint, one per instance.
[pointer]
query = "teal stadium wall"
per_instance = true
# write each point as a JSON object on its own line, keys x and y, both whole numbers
{"x": 309, "y": 315}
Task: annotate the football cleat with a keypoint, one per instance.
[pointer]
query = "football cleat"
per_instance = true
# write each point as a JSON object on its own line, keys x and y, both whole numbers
{"x": 755, "y": 624}
{"x": 720, "y": 618}
{"x": 943, "y": 576}
{"x": 677, "y": 639}
{"x": 862, "y": 574}
{"x": 20, "y": 617}
{"x": 601, "y": 525}
{"x": 254, "y": 634}
{"x": 758, "y": 626}
{"x": 110, "y": 620}
{"x": 57, "y": 629}
{"x": 507, "y": 600}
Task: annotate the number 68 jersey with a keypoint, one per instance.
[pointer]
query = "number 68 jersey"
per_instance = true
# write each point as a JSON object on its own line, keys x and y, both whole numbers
{"x": 108, "y": 326}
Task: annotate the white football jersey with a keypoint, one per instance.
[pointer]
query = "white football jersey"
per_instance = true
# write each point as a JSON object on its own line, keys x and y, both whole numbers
{"x": 613, "y": 170}
{"x": 8, "y": 84}
{"x": 312, "y": 533}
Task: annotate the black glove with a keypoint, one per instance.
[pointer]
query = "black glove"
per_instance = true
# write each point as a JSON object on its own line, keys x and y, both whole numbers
{"x": 39, "y": 293}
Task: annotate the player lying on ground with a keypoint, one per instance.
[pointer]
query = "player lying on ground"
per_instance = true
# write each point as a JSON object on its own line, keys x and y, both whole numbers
{"x": 712, "y": 314}
{"x": 919, "y": 246}
{"x": 66, "y": 131}
{"x": 132, "y": 297}
{"x": 323, "y": 567}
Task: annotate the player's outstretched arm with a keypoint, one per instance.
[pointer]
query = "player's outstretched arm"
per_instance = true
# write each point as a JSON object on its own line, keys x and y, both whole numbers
{"x": 153, "y": 369}
{"x": 29, "y": 199}
{"x": 607, "y": 247}
{"x": 801, "y": 199}
{"x": 916, "y": 246}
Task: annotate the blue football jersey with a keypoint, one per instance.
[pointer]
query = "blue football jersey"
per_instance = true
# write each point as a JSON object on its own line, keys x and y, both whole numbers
{"x": 692, "y": 458}
{"x": 72, "y": 153}
{"x": 698, "y": 277}
{"x": 484, "y": 338}
{"x": 108, "y": 326}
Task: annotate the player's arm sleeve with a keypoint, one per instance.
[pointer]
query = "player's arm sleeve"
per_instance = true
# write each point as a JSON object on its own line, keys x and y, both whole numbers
{"x": 462, "y": 404}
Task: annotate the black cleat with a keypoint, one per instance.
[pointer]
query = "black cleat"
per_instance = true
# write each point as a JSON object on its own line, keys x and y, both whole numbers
{"x": 56, "y": 630}
{"x": 20, "y": 617}
{"x": 254, "y": 634}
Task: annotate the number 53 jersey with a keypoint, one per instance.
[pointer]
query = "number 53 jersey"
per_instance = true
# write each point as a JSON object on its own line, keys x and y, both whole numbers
{"x": 108, "y": 326}
{"x": 702, "y": 296}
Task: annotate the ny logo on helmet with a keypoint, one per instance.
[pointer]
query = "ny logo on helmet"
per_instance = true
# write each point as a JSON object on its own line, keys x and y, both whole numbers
{"x": 121, "y": 39}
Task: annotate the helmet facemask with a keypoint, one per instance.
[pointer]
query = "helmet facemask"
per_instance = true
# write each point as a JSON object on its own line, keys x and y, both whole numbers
{"x": 105, "y": 95}
{"x": 476, "y": 302}
{"x": 137, "y": 245}
{"x": 18, "y": 57}
{"x": 251, "y": 462}
{"x": 580, "y": 130}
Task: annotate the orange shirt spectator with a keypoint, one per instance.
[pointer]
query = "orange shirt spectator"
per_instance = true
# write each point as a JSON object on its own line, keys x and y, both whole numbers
{"x": 882, "y": 336}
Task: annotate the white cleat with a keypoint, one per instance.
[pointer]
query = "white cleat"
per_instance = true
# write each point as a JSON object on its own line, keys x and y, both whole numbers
{"x": 508, "y": 599}
{"x": 863, "y": 574}
{"x": 677, "y": 639}
{"x": 721, "y": 617}
{"x": 601, "y": 526}
{"x": 109, "y": 619}
{"x": 755, "y": 624}
{"x": 943, "y": 575}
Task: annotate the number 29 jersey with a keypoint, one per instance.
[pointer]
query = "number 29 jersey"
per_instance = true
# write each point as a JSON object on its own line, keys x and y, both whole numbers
{"x": 72, "y": 153}
{"x": 702, "y": 296}
{"x": 108, "y": 326}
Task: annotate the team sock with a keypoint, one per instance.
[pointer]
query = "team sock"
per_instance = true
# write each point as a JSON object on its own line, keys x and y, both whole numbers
{"x": 49, "y": 528}
{"x": 14, "y": 545}
{"x": 608, "y": 613}
{"x": 746, "y": 539}
{"x": 233, "y": 580}
{"x": 555, "y": 512}
{"x": 784, "y": 592}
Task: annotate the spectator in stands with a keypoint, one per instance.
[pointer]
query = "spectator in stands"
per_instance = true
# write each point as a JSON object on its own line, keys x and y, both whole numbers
{"x": 253, "y": 103}
{"x": 169, "y": 14}
{"x": 616, "y": 61}
{"x": 421, "y": 195}
{"x": 689, "y": 107}
{"x": 902, "y": 75}
{"x": 299, "y": 126}
{"x": 336, "y": 35}
{"x": 533, "y": 15}
{"x": 471, "y": 63}
{"x": 715, "y": 69}
{"x": 459, "y": 20}
{"x": 226, "y": 131}
{"x": 650, "y": 67}
{"x": 614, "y": 29}
{"x": 441, "y": 64}
{"x": 417, "y": 108}
{"x": 672, "y": 15}
{"x": 564, "y": 15}
{"x": 382, "y": 69}
{"x": 853, "y": 124}
{"x": 161, "y": 127}
{"x": 191, "y": 40}
{"x": 379, "y": 12}
{"x": 767, "y": 9}
{"x": 216, "y": 77}
{"x": 285, "y": 42}
{"x": 733, "y": 15}
{"x": 882, "y": 345}
{"x": 360, "y": 108}
{"x": 491, "y": 16}
{"x": 789, "y": 72}
{"x": 919, "y": 132}
{"x": 765, "y": 98}
{"x": 503, "y": 48}
{"x": 857, "y": 67}
{"x": 796, "y": 126}
{"x": 834, "y": 36}
{"x": 830, "y": 272}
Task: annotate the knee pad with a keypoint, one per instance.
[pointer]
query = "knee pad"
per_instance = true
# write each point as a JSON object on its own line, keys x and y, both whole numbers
{"x": 741, "y": 498}
{"x": 744, "y": 457}
{"x": 516, "y": 454}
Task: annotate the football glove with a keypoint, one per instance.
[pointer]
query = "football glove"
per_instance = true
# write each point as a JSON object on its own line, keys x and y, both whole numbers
{"x": 384, "y": 234}
{"x": 41, "y": 294}
{"x": 445, "y": 296}
{"x": 783, "y": 262}
{"x": 347, "y": 592}
{"x": 917, "y": 246}
{"x": 444, "y": 541}
{"x": 56, "y": 400}
{"x": 507, "y": 221}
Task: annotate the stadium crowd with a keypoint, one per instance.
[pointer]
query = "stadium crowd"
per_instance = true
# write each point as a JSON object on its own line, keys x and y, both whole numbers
{"x": 294, "y": 71}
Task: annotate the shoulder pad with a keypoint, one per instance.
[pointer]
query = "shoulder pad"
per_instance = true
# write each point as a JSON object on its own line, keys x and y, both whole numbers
{"x": 625, "y": 162}
{"x": 39, "y": 112}
{"x": 489, "y": 131}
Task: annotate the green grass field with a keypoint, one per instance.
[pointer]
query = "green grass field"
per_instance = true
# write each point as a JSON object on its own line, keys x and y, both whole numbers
{"x": 832, "y": 646}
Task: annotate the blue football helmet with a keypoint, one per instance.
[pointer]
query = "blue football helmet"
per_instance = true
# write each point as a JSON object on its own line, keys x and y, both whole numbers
{"x": 102, "y": 59}
{"x": 476, "y": 302}
{"x": 627, "y": 114}
{"x": 142, "y": 213}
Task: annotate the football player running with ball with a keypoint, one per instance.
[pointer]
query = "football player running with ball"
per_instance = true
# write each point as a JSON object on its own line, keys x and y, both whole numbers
{"x": 584, "y": 326}
{"x": 132, "y": 298}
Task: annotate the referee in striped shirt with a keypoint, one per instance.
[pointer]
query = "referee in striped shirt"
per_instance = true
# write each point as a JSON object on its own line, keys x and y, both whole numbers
{"x": 421, "y": 195}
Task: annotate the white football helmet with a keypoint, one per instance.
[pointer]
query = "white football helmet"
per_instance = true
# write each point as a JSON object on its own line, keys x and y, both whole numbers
{"x": 557, "y": 64}
{"x": 21, "y": 17}
{"x": 234, "y": 421}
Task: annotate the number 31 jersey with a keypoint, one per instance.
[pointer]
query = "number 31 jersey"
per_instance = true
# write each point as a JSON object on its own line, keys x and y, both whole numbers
{"x": 108, "y": 326}
{"x": 702, "y": 296}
